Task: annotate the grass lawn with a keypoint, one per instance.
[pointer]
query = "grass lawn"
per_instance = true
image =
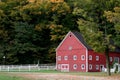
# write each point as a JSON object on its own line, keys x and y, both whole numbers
{"x": 43, "y": 74}
{"x": 5, "y": 76}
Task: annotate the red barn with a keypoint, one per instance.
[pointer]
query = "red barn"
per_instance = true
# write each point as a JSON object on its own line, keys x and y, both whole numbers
{"x": 73, "y": 54}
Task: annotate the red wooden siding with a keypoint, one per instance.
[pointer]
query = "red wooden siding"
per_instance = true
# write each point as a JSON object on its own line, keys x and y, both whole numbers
{"x": 74, "y": 54}
{"x": 101, "y": 62}
{"x": 72, "y": 47}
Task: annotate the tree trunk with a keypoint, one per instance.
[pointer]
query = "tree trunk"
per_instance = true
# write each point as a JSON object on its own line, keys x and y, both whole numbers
{"x": 107, "y": 60}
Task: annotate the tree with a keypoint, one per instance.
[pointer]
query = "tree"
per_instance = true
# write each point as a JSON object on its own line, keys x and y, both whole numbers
{"x": 97, "y": 31}
{"x": 114, "y": 17}
{"x": 32, "y": 30}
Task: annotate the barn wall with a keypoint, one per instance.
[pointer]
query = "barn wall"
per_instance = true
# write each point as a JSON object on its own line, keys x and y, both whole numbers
{"x": 71, "y": 47}
{"x": 98, "y": 64}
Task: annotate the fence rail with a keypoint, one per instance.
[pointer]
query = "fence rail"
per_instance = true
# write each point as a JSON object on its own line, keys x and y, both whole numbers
{"x": 27, "y": 67}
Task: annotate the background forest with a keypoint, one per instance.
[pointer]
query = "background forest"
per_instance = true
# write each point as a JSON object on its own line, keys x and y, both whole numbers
{"x": 31, "y": 31}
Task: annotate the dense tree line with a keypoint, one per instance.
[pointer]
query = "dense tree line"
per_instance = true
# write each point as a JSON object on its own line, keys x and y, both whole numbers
{"x": 30, "y": 32}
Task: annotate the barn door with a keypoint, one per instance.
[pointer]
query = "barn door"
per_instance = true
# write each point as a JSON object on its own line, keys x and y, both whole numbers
{"x": 101, "y": 68}
{"x": 65, "y": 67}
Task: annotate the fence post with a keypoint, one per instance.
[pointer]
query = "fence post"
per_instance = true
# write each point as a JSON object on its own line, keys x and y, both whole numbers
{"x": 19, "y": 68}
{"x": 0, "y": 68}
{"x": 8, "y": 68}
{"x": 47, "y": 67}
{"x": 29, "y": 67}
{"x": 38, "y": 68}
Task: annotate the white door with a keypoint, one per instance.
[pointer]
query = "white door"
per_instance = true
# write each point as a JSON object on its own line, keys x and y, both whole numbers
{"x": 102, "y": 68}
{"x": 65, "y": 67}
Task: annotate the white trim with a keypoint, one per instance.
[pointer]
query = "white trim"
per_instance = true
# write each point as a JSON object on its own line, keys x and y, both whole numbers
{"x": 59, "y": 58}
{"x": 63, "y": 40}
{"x": 65, "y": 58}
{"x": 74, "y": 57}
{"x": 82, "y": 66}
{"x": 97, "y": 58}
{"x": 65, "y": 69}
{"x": 82, "y": 57}
{"x": 66, "y": 37}
{"x": 97, "y": 67}
{"x": 75, "y": 66}
{"x": 90, "y": 57}
{"x": 90, "y": 66}
{"x": 79, "y": 41}
{"x": 56, "y": 61}
{"x": 86, "y": 60}
{"x": 111, "y": 59}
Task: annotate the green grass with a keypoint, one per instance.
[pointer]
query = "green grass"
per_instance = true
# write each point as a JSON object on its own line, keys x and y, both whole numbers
{"x": 8, "y": 76}
{"x": 4, "y": 76}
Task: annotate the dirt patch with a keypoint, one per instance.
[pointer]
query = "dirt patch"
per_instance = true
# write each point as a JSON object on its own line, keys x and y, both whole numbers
{"x": 59, "y": 76}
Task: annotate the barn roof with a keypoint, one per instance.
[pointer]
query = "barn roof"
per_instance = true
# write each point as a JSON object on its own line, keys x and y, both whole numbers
{"x": 117, "y": 49}
{"x": 81, "y": 39}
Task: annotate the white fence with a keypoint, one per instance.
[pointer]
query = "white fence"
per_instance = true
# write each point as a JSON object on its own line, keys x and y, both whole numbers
{"x": 26, "y": 67}
{"x": 116, "y": 67}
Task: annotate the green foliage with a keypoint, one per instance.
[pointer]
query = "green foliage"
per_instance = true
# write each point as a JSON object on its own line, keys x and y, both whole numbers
{"x": 114, "y": 17}
{"x": 26, "y": 32}
{"x": 96, "y": 28}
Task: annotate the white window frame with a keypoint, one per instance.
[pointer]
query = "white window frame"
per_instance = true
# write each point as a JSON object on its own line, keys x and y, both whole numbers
{"x": 111, "y": 59}
{"x": 90, "y": 66}
{"x": 65, "y": 57}
{"x": 59, "y": 58}
{"x": 75, "y": 66}
{"x": 70, "y": 48}
{"x": 97, "y": 58}
{"x": 90, "y": 57}
{"x": 82, "y": 57}
{"x": 82, "y": 66}
{"x": 74, "y": 57}
{"x": 97, "y": 67}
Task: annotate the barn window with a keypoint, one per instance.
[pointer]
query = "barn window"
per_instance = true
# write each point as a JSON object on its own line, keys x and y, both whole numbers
{"x": 90, "y": 57}
{"x": 97, "y": 58}
{"x": 83, "y": 57}
{"x": 59, "y": 58}
{"x": 82, "y": 66}
{"x": 65, "y": 57}
{"x": 70, "y": 35}
{"x": 70, "y": 48}
{"x": 74, "y": 57}
{"x": 97, "y": 67}
{"x": 75, "y": 66}
{"x": 90, "y": 66}
{"x": 110, "y": 59}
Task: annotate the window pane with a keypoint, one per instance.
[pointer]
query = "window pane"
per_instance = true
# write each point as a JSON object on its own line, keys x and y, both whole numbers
{"x": 90, "y": 57}
{"x": 65, "y": 57}
{"x": 74, "y": 57}
{"x": 82, "y": 66}
{"x": 97, "y": 58}
{"x": 90, "y": 66}
{"x": 83, "y": 57}
{"x": 75, "y": 66}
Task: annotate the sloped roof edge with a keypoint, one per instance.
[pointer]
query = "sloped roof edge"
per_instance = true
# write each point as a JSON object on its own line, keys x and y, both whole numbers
{"x": 81, "y": 39}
